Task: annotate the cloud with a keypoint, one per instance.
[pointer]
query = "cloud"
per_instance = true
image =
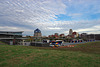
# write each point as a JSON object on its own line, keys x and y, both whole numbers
{"x": 75, "y": 14}
{"x": 7, "y": 28}
{"x": 69, "y": 0}
{"x": 82, "y": 26}
{"x": 82, "y": 9}
{"x": 90, "y": 30}
{"x": 54, "y": 28}
{"x": 20, "y": 11}
{"x": 27, "y": 15}
{"x": 33, "y": 11}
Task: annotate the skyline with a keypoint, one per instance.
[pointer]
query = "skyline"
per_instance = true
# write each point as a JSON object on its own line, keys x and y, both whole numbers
{"x": 50, "y": 16}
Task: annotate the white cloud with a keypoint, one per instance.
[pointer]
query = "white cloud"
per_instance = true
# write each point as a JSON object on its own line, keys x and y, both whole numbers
{"x": 82, "y": 26}
{"x": 75, "y": 15}
{"x": 54, "y": 28}
{"x": 94, "y": 29}
{"x": 7, "y": 28}
{"x": 69, "y": 0}
{"x": 26, "y": 31}
{"x": 27, "y": 15}
{"x": 97, "y": 26}
{"x": 31, "y": 12}
{"x": 19, "y": 10}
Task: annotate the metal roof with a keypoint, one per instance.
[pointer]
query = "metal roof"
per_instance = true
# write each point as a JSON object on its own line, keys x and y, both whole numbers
{"x": 11, "y": 31}
{"x": 37, "y": 31}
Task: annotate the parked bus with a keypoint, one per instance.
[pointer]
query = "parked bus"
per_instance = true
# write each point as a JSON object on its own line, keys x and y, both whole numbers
{"x": 56, "y": 43}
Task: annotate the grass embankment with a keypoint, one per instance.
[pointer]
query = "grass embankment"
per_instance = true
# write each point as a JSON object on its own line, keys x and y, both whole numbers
{"x": 84, "y": 55}
{"x": 1, "y": 43}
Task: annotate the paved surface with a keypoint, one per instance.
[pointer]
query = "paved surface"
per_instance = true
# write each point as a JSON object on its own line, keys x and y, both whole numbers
{"x": 65, "y": 44}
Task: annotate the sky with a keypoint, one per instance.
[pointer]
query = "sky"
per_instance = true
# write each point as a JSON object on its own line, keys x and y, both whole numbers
{"x": 50, "y": 16}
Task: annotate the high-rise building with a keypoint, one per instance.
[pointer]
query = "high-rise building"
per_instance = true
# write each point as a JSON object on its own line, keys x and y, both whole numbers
{"x": 37, "y": 33}
{"x": 56, "y": 34}
{"x": 70, "y": 32}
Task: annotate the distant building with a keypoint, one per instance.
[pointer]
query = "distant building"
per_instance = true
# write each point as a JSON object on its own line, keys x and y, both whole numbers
{"x": 70, "y": 32}
{"x": 10, "y": 34}
{"x": 51, "y": 36}
{"x": 84, "y": 36}
{"x": 90, "y": 36}
{"x": 10, "y": 37}
{"x": 75, "y": 34}
{"x": 56, "y": 35}
{"x": 62, "y": 35}
{"x": 93, "y": 36}
{"x": 69, "y": 36}
{"x": 37, "y": 33}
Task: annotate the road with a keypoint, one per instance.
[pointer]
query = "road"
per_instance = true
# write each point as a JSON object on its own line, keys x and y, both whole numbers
{"x": 65, "y": 44}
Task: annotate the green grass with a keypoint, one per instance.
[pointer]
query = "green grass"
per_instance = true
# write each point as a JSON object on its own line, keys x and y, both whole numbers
{"x": 82, "y": 55}
{"x": 1, "y": 43}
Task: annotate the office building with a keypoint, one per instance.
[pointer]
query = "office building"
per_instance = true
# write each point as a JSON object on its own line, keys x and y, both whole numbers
{"x": 10, "y": 36}
{"x": 37, "y": 33}
{"x": 70, "y": 32}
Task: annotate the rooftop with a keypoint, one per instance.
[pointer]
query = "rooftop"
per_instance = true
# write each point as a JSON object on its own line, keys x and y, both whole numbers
{"x": 11, "y": 32}
{"x": 37, "y": 31}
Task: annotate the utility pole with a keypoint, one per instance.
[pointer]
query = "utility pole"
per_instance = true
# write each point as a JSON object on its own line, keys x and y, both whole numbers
{"x": 94, "y": 36}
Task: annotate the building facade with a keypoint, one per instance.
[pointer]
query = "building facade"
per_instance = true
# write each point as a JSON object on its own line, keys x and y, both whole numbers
{"x": 75, "y": 34}
{"x": 70, "y": 32}
{"x": 90, "y": 36}
{"x": 10, "y": 36}
{"x": 61, "y": 35}
{"x": 37, "y": 33}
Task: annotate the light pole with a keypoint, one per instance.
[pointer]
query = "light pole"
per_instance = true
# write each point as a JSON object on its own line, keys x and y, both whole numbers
{"x": 94, "y": 36}
{"x": 14, "y": 40}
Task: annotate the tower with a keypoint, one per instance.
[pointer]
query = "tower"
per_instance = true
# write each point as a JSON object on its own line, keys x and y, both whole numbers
{"x": 37, "y": 33}
{"x": 70, "y": 32}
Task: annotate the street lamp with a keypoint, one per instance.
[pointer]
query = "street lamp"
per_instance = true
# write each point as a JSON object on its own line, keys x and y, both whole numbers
{"x": 94, "y": 36}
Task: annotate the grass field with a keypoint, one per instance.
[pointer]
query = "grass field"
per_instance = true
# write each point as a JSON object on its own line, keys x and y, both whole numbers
{"x": 82, "y": 55}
